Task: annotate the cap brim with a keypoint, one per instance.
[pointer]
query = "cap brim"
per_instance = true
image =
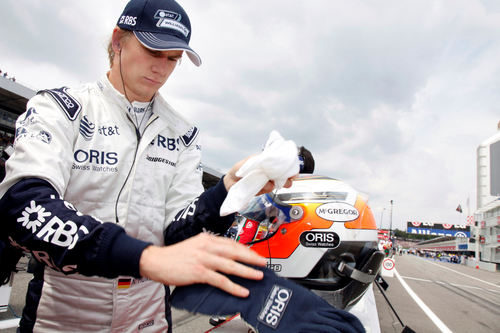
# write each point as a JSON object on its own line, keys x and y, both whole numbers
{"x": 164, "y": 42}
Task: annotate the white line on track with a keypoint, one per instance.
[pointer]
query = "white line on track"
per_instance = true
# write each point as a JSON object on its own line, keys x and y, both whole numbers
{"x": 442, "y": 327}
{"x": 473, "y": 287}
{"x": 417, "y": 279}
{"x": 453, "y": 284}
{"x": 466, "y": 286}
{"x": 469, "y": 276}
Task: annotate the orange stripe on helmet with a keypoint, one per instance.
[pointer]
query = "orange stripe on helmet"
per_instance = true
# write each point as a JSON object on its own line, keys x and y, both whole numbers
{"x": 365, "y": 219}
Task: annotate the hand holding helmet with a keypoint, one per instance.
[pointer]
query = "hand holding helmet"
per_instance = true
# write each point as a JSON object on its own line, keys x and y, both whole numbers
{"x": 277, "y": 162}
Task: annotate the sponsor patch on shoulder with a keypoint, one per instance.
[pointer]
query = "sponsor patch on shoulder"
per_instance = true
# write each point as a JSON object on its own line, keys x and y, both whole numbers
{"x": 275, "y": 306}
{"x": 189, "y": 137}
{"x": 67, "y": 102}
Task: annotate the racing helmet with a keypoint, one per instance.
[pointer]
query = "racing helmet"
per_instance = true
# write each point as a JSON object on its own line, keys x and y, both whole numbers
{"x": 320, "y": 232}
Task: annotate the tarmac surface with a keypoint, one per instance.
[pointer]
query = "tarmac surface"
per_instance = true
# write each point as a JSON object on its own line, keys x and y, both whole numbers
{"x": 452, "y": 298}
{"x": 462, "y": 298}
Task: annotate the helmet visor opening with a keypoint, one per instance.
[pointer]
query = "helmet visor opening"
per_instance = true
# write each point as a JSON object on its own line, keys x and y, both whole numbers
{"x": 266, "y": 214}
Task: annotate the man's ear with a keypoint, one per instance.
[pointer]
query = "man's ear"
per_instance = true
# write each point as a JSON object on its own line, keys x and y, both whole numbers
{"x": 116, "y": 40}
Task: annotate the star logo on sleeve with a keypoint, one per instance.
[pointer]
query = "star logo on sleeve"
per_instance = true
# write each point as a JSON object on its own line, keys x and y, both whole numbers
{"x": 33, "y": 216}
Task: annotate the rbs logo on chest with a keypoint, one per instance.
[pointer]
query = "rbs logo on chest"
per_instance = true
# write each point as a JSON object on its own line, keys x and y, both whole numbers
{"x": 163, "y": 142}
{"x": 275, "y": 306}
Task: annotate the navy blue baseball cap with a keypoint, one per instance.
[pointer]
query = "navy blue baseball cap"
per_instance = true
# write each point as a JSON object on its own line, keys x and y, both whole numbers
{"x": 159, "y": 25}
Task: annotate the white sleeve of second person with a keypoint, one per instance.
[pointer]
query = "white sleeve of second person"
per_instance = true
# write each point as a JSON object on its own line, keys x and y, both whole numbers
{"x": 277, "y": 162}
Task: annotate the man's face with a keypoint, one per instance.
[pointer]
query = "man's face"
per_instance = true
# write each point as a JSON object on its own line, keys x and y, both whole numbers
{"x": 145, "y": 71}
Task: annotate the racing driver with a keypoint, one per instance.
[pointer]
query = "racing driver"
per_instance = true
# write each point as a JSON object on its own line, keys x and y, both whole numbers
{"x": 105, "y": 175}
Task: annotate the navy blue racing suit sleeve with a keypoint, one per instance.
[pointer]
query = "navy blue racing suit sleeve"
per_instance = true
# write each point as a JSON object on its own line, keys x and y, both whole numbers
{"x": 37, "y": 220}
{"x": 202, "y": 214}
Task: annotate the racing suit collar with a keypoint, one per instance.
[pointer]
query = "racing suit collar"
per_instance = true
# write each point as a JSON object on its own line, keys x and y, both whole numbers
{"x": 161, "y": 108}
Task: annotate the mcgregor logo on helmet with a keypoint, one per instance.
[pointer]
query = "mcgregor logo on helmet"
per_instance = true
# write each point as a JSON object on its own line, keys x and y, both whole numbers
{"x": 337, "y": 212}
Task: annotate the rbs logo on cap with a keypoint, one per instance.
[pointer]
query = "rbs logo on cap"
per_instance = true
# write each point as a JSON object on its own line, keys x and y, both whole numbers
{"x": 128, "y": 20}
{"x": 275, "y": 306}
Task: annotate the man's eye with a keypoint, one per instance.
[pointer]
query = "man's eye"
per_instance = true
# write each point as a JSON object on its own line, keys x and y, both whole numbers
{"x": 153, "y": 53}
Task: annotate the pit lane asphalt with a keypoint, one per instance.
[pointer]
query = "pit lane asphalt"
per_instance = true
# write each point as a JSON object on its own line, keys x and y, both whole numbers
{"x": 465, "y": 299}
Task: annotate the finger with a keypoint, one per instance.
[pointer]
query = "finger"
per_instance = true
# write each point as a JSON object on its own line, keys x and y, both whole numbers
{"x": 233, "y": 260}
{"x": 288, "y": 183}
{"x": 222, "y": 282}
{"x": 232, "y": 267}
{"x": 267, "y": 188}
{"x": 235, "y": 251}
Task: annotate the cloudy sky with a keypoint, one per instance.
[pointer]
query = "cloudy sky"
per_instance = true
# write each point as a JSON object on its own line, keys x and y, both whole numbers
{"x": 391, "y": 96}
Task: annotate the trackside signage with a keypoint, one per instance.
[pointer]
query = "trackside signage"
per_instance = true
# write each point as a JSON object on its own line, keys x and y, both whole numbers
{"x": 438, "y": 229}
{"x": 337, "y": 212}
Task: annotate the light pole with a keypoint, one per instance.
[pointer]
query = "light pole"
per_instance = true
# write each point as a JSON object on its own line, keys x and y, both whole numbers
{"x": 390, "y": 228}
{"x": 382, "y": 219}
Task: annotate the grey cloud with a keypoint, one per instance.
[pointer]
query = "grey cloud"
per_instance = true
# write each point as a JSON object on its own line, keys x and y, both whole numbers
{"x": 382, "y": 94}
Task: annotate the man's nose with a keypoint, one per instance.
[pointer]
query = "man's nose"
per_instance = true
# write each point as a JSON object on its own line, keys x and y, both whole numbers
{"x": 161, "y": 65}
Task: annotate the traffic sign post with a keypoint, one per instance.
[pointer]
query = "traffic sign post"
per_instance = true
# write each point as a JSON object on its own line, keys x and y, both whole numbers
{"x": 388, "y": 267}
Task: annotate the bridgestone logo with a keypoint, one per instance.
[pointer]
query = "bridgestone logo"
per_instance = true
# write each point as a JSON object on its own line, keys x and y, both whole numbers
{"x": 275, "y": 306}
{"x": 160, "y": 160}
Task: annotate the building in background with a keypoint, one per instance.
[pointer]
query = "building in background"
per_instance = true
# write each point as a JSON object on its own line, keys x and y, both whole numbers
{"x": 487, "y": 215}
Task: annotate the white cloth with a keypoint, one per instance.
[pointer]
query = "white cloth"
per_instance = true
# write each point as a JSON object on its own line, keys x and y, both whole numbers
{"x": 277, "y": 162}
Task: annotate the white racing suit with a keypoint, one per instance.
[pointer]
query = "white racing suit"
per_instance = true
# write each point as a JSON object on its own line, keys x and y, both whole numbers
{"x": 80, "y": 175}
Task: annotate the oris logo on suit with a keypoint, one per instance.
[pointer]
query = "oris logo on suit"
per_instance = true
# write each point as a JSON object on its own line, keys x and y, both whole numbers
{"x": 95, "y": 160}
{"x": 96, "y": 157}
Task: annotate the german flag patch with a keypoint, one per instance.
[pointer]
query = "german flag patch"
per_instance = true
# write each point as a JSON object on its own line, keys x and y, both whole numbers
{"x": 124, "y": 283}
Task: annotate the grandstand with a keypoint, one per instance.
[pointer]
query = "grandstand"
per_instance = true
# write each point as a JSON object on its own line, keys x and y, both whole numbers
{"x": 13, "y": 98}
{"x": 461, "y": 245}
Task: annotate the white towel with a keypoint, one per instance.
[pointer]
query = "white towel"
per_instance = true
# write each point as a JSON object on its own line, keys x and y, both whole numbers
{"x": 278, "y": 162}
